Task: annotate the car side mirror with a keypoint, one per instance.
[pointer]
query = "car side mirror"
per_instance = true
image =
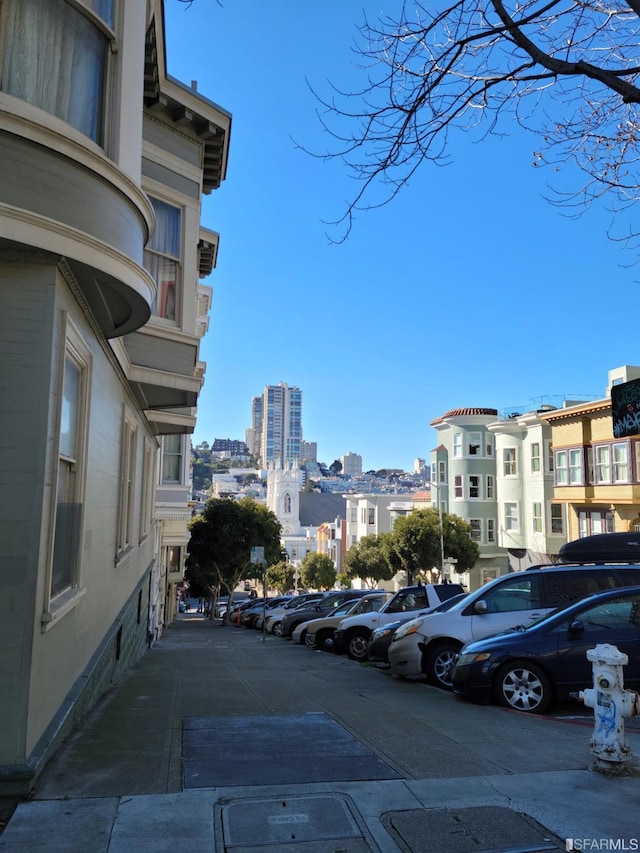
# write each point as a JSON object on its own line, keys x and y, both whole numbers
{"x": 576, "y": 628}
{"x": 480, "y": 607}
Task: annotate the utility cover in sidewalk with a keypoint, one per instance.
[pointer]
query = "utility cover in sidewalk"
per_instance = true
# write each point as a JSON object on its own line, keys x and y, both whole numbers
{"x": 277, "y": 750}
{"x": 315, "y": 823}
{"x": 468, "y": 830}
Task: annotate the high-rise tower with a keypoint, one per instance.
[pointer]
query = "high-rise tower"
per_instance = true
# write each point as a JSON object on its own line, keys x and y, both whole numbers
{"x": 277, "y": 423}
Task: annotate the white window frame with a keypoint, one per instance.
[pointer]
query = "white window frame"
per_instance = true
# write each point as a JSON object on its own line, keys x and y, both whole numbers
{"x": 457, "y": 445}
{"x": 561, "y": 460}
{"x": 509, "y": 462}
{"x": 474, "y": 444}
{"x": 490, "y": 487}
{"x": 169, "y": 453}
{"x": 576, "y": 466}
{"x": 148, "y": 491}
{"x": 511, "y": 517}
{"x": 536, "y": 461}
{"x": 442, "y": 472}
{"x": 491, "y": 530}
{"x": 155, "y": 255}
{"x": 128, "y": 460}
{"x": 458, "y": 488}
{"x": 488, "y": 444}
{"x": 620, "y": 462}
{"x": 536, "y": 517}
{"x": 70, "y": 472}
{"x": 477, "y": 487}
{"x": 602, "y": 463}
{"x": 476, "y": 529}
{"x": 548, "y": 455}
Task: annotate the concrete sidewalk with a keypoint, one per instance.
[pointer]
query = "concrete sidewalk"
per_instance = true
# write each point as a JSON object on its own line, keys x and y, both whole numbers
{"x": 222, "y": 740}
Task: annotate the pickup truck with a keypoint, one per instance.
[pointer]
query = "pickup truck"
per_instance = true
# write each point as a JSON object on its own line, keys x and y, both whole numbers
{"x": 352, "y": 635}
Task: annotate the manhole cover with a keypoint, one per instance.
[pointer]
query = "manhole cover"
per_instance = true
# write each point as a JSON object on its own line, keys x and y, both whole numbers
{"x": 316, "y": 823}
{"x": 481, "y": 829}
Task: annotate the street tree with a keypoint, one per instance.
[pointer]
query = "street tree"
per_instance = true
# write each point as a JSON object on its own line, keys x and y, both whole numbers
{"x": 368, "y": 560}
{"x": 219, "y": 550}
{"x": 416, "y": 541}
{"x": 317, "y": 571}
{"x": 567, "y": 71}
{"x": 336, "y": 467}
{"x": 280, "y": 576}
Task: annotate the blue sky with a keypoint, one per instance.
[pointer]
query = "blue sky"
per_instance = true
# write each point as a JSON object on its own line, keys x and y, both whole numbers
{"x": 469, "y": 289}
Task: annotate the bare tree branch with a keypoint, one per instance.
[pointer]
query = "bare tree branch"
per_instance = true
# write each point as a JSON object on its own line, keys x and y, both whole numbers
{"x": 568, "y": 71}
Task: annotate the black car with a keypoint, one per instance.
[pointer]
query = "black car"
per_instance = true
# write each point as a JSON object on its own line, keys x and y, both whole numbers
{"x": 381, "y": 637}
{"x": 324, "y": 607}
{"x": 527, "y": 669}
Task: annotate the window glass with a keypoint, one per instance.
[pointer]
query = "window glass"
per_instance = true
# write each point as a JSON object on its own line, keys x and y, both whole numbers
{"x": 537, "y": 517}
{"x": 511, "y": 516}
{"x": 474, "y": 444}
{"x": 171, "y": 459}
{"x": 557, "y": 519}
{"x": 491, "y": 530}
{"x": 161, "y": 258}
{"x": 490, "y": 486}
{"x": 457, "y": 444}
{"x": 516, "y": 594}
{"x": 575, "y": 466}
{"x": 562, "y": 468}
{"x": 562, "y": 588}
{"x": 603, "y": 467}
{"x": 535, "y": 457}
{"x": 474, "y": 486}
{"x": 457, "y": 486}
{"x": 509, "y": 459}
{"x": 476, "y": 529}
{"x": 54, "y": 57}
{"x": 620, "y": 463}
{"x": 69, "y": 413}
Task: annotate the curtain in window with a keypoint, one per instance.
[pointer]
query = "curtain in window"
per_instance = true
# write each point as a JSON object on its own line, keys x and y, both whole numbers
{"x": 54, "y": 58}
{"x": 163, "y": 248}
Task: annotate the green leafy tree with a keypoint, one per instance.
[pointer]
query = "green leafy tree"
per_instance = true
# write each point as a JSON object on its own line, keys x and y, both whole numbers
{"x": 318, "y": 571}
{"x": 219, "y": 550}
{"x": 368, "y": 560}
{"x": 336, "y": 467}
{"x": 280, "y": 576}
{"x": 416, "y": 541}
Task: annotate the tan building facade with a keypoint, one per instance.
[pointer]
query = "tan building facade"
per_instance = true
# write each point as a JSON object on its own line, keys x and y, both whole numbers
{"x": 596, "y": 476}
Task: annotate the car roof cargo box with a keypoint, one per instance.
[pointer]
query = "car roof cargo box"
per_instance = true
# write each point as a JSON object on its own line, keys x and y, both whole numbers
{"x": 603, "y": 548}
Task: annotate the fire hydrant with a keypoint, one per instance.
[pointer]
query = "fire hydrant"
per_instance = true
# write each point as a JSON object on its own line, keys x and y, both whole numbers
{"x": 611, "y": 703}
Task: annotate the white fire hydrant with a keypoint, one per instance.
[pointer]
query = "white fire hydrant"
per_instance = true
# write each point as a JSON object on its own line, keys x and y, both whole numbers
{"x": 611, "y": 703}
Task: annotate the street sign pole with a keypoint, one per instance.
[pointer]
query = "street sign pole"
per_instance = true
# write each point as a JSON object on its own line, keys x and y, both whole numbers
{"x": 257, "y": 558}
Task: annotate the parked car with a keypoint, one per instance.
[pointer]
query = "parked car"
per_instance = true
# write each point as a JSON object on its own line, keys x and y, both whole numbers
{"x": 260, "y": 607}
{"x": 324, "y": 607}
{"x": 318, "y": 633}
{"x": 428, "y": 645}
{"x": 274, "y": 619}
{"x": 530, "y": 668}
{"x": 380, "y": 639}
{"x": 236, "y": 611}
{"x": 222, "y": 603}
{"x": 353, "y": 634}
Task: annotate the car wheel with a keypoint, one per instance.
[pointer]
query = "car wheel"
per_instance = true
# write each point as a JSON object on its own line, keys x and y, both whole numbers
{"x": 524, "y": 687}
{"x": 277, "y": 629}
{"x": 303, "y": 637}
{"x": 357, "y": 643}
{"x": 324, "y": 641}
{"x": 438, "y": 664}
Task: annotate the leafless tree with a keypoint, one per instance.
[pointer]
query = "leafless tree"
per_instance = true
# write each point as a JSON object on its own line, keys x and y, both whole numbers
{"x": 566, "y": 70}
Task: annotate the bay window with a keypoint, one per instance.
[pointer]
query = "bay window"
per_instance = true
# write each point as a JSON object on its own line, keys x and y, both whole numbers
{"x": 54, "y": 54}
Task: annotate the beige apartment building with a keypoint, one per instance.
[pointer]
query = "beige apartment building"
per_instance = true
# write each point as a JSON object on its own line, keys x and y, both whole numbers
{"x": 596, "y": 476}
{"x": 103, "y": 162}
